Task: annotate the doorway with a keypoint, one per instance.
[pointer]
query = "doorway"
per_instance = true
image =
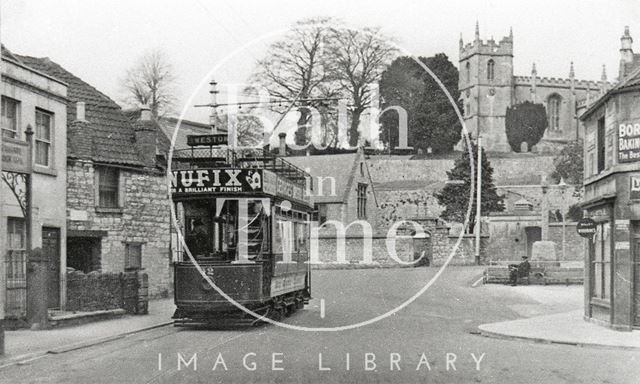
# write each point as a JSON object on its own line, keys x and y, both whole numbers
{"x": 533, "y": 234}
{"x": 51, "y": 251}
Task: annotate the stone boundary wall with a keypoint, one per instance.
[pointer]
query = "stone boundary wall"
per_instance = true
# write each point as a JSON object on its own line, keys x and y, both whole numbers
{"x": 96, "y": 291}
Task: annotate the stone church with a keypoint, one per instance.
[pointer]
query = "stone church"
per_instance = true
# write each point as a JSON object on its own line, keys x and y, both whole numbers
{"x": 488, "y": 87}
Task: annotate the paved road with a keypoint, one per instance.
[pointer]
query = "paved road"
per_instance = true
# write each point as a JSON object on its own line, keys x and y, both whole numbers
{"x": 418, "y": 339}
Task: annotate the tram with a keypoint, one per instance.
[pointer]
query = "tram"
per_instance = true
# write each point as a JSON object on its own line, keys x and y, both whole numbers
{"x": 243, "y": 214}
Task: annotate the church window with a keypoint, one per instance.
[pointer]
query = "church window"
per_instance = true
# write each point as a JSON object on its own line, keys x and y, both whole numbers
{"x": 490, "y": 69}
{"x": 468, "y": 68}
{"x": 553, "y": 107}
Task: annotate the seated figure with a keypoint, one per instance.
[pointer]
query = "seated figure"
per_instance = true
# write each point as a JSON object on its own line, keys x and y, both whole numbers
{"x": 519, "y": 270}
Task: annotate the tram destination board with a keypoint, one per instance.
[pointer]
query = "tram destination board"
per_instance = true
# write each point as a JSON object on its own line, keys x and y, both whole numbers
{"x": 219, "y": 180}
{"x": 207, "y": 140}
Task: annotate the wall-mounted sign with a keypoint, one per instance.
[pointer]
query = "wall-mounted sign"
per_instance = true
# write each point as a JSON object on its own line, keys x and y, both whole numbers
{"x": 15, "y": 156}
{"x": 586, "y": 227}
{"x": 207, "y": 140}
{"x": 220, "y": 180}
{"x": 634, "y": 189}
{"x": 628, "y": 142}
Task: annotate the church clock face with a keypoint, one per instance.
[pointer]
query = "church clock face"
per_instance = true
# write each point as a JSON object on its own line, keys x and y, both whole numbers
{"x": 492, "y": 92}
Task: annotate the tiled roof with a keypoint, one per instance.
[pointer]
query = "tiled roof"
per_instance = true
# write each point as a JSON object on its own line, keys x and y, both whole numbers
{"x": 111, "y": 133}
{"x": 341, "y": 167}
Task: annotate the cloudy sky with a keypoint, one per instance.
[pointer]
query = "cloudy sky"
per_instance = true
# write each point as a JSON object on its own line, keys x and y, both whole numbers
{"x": 98, "y": 40}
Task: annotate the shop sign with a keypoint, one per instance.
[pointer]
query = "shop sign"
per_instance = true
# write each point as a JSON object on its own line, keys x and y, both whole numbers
{"x": 219, "y": 180}
{"x": 586, "y": 227}
{"x": 628, "y": 142}
{"x": 15, "y": 156}
{"x": 634, "y": 190}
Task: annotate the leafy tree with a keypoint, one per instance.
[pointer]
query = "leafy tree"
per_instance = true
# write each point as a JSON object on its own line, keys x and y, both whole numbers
{"x": 569, "y": 163}
{"x": 525, "y": 122}
{"x": 455, "y": 196}
{"x": 151, "y": 82}
{"x": 432, "y": 121}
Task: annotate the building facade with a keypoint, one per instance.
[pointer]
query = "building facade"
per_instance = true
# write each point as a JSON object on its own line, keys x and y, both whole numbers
{"x": 612, "y": 200}
{"x": 32, "y": 98}
{"x": 488, "y": 87}
{"x": 118, "y": 211}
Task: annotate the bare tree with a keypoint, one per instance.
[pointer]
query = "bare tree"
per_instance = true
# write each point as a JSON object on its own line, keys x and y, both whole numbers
{"x": 151, "y": 82}
{"x": 359, "y": 57}
{"x": 297, "y": 66}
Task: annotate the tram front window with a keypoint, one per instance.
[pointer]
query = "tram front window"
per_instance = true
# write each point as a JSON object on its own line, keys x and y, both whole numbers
{"x": 212, "y": 234}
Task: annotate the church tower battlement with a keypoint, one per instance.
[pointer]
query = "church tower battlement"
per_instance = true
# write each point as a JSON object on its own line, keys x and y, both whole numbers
{"x": 488, "y": 87}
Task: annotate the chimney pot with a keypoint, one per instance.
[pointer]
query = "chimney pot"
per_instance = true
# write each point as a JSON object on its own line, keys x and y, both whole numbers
{"x": 80, "y": 111}
{"x": 282, "y": 149}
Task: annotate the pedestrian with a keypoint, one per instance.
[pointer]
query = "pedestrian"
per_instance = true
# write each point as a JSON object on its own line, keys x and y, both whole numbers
{"x": 519, "y": 270}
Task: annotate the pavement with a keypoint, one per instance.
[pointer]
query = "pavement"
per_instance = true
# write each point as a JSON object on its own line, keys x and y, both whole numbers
{"x": 556, "y": 317}
{"x": 23, "y": 345}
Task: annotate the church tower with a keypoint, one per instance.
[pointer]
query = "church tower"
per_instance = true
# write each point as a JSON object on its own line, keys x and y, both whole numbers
{"x": 486, "y": 88}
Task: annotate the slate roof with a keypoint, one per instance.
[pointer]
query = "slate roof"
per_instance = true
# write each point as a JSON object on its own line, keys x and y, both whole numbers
{"x": 109, "y": 133}
{"x": 342, "y": 167}
{"x": 628, "y": 83}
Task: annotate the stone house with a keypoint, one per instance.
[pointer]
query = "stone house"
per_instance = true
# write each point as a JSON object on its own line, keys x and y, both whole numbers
{"x": 32, "y": 98}
{"x": 118, "y": 210}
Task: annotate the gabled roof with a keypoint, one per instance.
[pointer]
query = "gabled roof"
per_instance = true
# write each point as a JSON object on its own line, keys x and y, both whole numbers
{"x": 342, "y": 167}
{"x": 110, "y": 133}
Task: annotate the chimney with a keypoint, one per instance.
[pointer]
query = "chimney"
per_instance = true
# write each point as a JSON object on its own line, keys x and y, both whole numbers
{"x": 282, "y": 148}
{"x": 145, "y": 113}
{"x": 80, "y": 111}
{"x": 146, "y": 137}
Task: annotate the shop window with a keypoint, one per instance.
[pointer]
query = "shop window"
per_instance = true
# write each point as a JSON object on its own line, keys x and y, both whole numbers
{"x": 362, "y": 201}
{"x": 9, "y": 121}
{"x": 43, "y": 135}
{"x": 601, "y": 263}
{"x": 133, "y": 257}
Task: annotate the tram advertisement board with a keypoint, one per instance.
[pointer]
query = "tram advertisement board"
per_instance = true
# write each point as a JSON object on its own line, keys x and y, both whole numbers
{"x": 219, "y": 180}
{"x": 279, "y": 186}
{"x": 205, "y": 140}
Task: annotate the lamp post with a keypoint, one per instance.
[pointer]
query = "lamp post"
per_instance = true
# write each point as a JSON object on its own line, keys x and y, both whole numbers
{"x": 563, "y": 187}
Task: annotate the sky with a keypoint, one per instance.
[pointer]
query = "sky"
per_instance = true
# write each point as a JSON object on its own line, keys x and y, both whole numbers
{"x": 99, "y": 40}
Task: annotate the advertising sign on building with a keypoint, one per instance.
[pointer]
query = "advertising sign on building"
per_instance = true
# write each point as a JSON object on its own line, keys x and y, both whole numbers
{"x": 195, "y": 181}
{"x": 628, "y": 142}
{"x": 586, "y": 227}
{"x": 15, "y": 156}
{"x": 634, "y": 189}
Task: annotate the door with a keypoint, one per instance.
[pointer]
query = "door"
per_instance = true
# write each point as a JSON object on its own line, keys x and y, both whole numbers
{"x": 533, "y": 234}
{"x": 51, "y": 251}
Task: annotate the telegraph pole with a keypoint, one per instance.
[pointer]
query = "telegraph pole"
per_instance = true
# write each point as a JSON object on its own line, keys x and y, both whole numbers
{"x": 478, "y": 199}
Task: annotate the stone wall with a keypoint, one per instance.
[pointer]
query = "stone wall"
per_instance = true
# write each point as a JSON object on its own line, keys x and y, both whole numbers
{"x": 144, "y": 218}
{"x": 102, "y": 291}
